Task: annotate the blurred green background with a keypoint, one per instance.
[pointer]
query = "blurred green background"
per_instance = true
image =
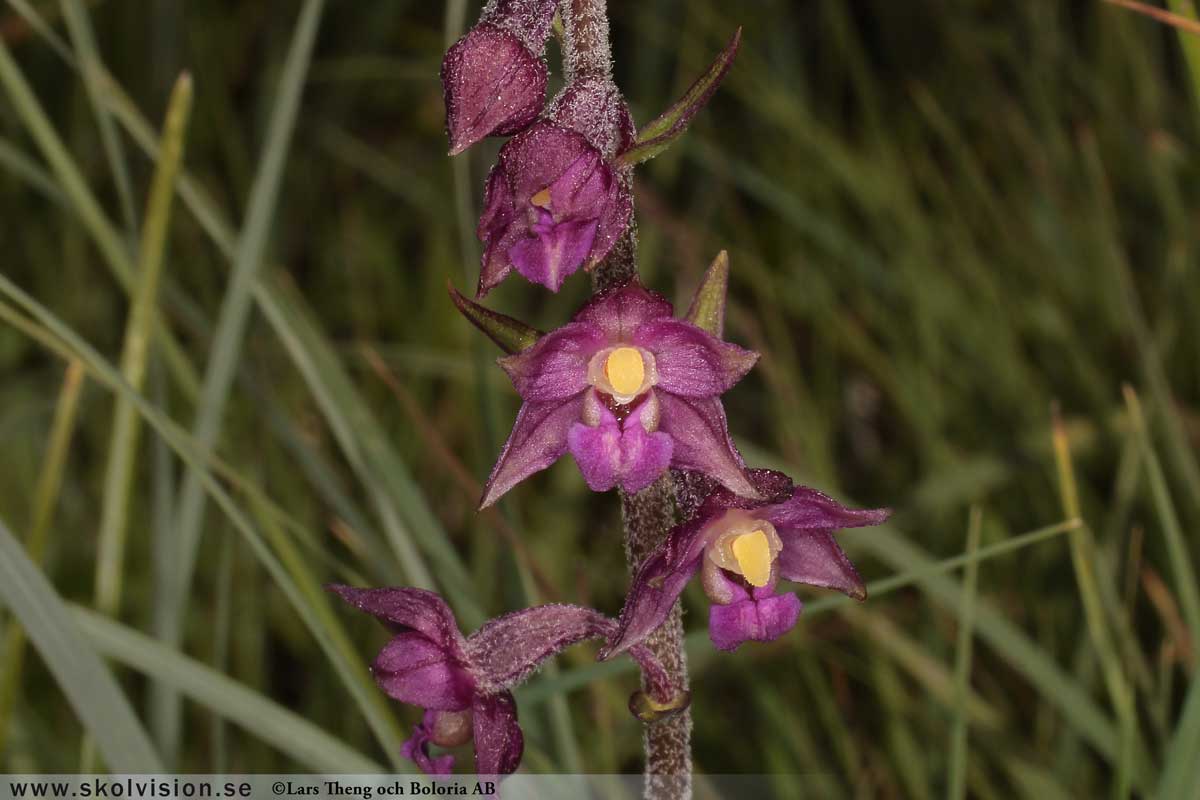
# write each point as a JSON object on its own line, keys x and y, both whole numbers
{"x": 945, "y": 220}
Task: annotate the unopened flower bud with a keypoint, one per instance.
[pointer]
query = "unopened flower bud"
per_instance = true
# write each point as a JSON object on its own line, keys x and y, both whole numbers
{"x": 494, "y": 77}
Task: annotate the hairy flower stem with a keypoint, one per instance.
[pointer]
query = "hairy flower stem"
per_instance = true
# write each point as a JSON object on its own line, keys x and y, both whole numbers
{"x": 649, "y": 514}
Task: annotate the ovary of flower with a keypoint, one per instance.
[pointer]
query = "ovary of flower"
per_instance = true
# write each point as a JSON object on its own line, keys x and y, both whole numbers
{"x": 748, "y": 547}
{"x": 626, "y": 370}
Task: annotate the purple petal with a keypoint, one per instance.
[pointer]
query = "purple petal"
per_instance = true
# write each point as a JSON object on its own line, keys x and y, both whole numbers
{"x": 492, "y": 84}
{"x": 644, "y": 456}
{"x": 620, "y": 311}
{"x": 538, "y": 439}
{"x": 752, "y": 619}
{"x": 416, "y": 749}
{"x": 608, "y": 454}
{"x": 506, "y": 650}
{"x": 597, "y": 451}
{"x": 657, "y": 585}
{"x": 691, "y": 362}
{"x": 414, "y": 670}
{"x": 548, "y": 257}
{"x": 556, "y": 366}
{"x": 809, "y": 509}
{"x": 419, "y": 610}
{"x": 702, "y": 441}
{"x": 499, "y": 743}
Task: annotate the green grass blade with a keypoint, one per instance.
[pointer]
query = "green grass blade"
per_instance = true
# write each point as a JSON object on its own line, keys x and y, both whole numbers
{"x": 1181, "y": 768}
{"x": 403, "y": 511}
{"x": 398, "y": 501}
{"x": 84, "y": 679}
{"x": 311, "y": 747}
{"x": 962, "y": 662}
{"x": 79, "y": 27}
{"x": 83, "y": 201}
{"x": 1084, "y": 561}
{"x": 62, "y": 431}
{"x": 234, "y": 315}
{"x": 122, "y": 446}
{"x": 1177, "y": 546}
{"x": 313, "y": 612}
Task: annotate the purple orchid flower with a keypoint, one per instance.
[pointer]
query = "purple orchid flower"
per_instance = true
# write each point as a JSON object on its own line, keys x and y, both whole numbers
{"x": 742, "y": 548}
{"x": 494, "y": 78}
{"x": 464, "y": 683}
{"x": 552, "y": 205}
{"x": 629, "y": 391}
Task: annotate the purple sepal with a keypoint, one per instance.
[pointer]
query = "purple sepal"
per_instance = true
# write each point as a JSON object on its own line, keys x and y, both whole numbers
{"x": 492, "y": 84}
{"x": 619, "y": 311}
{"x": 416, "y": 748}
{"x": 656, "y": 586}
{"x": 538, "y": 439}
{"x": 761, "y": 616}
{"x": 613, "y": 453}
{"x": 702, "y": 440}
{"x": 499, "y": 742}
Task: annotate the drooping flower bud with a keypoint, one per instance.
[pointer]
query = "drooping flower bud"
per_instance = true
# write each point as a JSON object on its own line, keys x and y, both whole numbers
{"x": 494, "y": 77}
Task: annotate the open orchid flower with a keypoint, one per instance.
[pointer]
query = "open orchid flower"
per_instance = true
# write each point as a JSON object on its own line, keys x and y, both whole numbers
{"x": 464, "y": 683}
{"x": 742, "y": 548}
{"x": 494, "y": 78}
{"x": 629, "y": 391}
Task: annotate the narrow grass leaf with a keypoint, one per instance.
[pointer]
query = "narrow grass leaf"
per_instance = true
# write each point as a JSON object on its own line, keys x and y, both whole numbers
{"x": 962, "y": 662}
{"x": 87, "y": 54}
{"x": 62, "y": 432}
{"x": 231, "y": 324}
{"x": 59, "y": 338}
{"x": 1177, "y": 546}
{"x": 139, "y": 330}
{"x": 85, "y": 680}
{"x": 310, "y": 746}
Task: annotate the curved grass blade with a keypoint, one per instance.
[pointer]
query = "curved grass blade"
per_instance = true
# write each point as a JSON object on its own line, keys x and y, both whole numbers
{"x": 89, "y": 686}
{"x": 317, "y": 616}
{"x": 87, "y": 54}
{"x": 288, "y": 732}
{"x": 231, "y": 325}
{"x": 45, "y": 500}
{"x": 122, "y": 445}
{"x": 962, "y": 662}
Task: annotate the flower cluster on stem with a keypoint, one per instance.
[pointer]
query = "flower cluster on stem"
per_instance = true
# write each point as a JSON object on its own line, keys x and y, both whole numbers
{"x": 629, "y": 390}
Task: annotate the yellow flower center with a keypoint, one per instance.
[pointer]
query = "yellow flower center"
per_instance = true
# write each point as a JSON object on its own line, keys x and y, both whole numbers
{"x": 744, "y": 546}
{"x": 625, "y": 370}
{"x": 541, "y": 199}
{"x": 753, "y": 554}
